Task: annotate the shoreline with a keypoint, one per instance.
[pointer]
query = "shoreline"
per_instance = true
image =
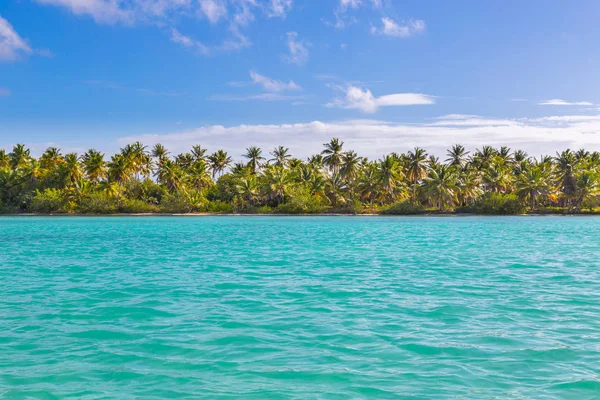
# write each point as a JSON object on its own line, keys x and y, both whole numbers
{"x": 208, "y": 214}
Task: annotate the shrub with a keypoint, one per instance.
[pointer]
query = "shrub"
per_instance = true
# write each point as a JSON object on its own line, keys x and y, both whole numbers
{"x": 135, "y": 206}
{"x": 219, "y": 206}
{"x": 300, "y": 201}
{"x": 264, "y": 210}
{"x": 183, "y": 202}
{"x": 499, "y": 204}
{"x": 97, "y": 203}
{"x": 48, "y": 201}
{"x": 405, "y": 207}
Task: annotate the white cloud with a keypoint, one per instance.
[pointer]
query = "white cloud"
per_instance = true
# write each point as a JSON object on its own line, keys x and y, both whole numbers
{"x": 102, "y": 11}
{"x": 260, "y": 97}
{"x": 376, "y": 138}
{"x": 238, "y": 14}
{"x": 392, "y": 28}
{"x": 559, "y": 102}
{"x": 279, "y": 8}
{"x": 186, "y": 41}
{"x": 272, "y": 85}
{"x": 4, "y": 92}
{"x": 12, "y": 46}
{"x": 363, "y": 100}
{"x": 298, "y": 51}
{"x": 214, "y": 10}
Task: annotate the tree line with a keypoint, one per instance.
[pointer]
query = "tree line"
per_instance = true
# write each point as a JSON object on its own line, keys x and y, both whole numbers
{"x": 140, "y": 179}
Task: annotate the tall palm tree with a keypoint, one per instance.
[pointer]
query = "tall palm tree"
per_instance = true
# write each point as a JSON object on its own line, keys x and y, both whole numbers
{"x": 457, "y": 156}
{"x": 198, "y": 153}
{"x": 588, "y": 187}
{"x": 248, "y": 188}
{"x": 416, "y": 168}
{"x": 19, "y": 156}
{"x": 277, "y": 181}
{"x": 255, "y": 158}
{"x": 72, "y": 168}
{"x": 219, "y": 160}
{"x": 566, "y": 163}
{"x": 94, "y": 165}
{"x": 350, "y": 167}
{"x": 440, "y": 186}
{"x": 171, "y": 175}
{"x": 199, "y": 176}
{"x": 51, "y": 158}
{"x": 533, "y": 184}
{"x": 332, "y": 155}
{"x": 281, "y": 156}
{"x": 4, "y": 160}
{"x": 159, "y": 151}
{"x": 389, "y": 177}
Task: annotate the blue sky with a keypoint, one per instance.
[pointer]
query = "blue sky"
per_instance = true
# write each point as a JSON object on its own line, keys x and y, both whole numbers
{"x": 382, "y": 75}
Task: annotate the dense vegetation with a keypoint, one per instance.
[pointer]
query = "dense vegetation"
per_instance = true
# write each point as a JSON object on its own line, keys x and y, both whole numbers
{"x": 143, "y": 180}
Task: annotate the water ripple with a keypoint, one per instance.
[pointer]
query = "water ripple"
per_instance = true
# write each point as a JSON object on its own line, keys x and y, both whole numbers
{"x": 296, "y": 308}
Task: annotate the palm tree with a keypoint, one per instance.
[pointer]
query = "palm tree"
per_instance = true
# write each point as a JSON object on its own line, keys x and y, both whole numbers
{"x": 416, "y": 168}
{"x": 4, "y": 160}
{"x": 440, "y": 186}
{"x": 19, "y": 156}
{"x": 588, "y": 187}
{"x": 71, "y": 168}
{"x": 171, "y": 175}
{"x": 351, "y": 165}
{"x": 199, "y": 176}
{"x": 159, "y": 151}
{"x": 119, "y": 169}
{"x": 255, "y": 158}
{"x": 248, "y": 188}
{"x": 389, "y": 177}
{"x": 457, "y": 156}
{"x": 496, "y": 179}
{"x": 565, "y": 164}
{"x": 198, "y": 153}
{"x": 51, "y": 158}
{"x": 332, "y": 155}
{"x": 532, "y": 184}
{"x": 281, "y": 156}
{"x": 277, "y": 181}
{"x": 94, "y": 165}
{"x": 219, "y": 160}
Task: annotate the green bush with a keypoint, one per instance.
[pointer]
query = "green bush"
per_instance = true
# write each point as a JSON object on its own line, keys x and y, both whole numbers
{"x": 135, "y": 206}
{"x": 218, "y": 206}
{"x": 264, "y": 210}
{"x": 97, "y": 203}
{"x": 183, "y": 202}
{"x": 300, "y": 201}
{"x": 48, "y": 201}
{"x": 405, "y": 207}
{"x": 499, "y": 204}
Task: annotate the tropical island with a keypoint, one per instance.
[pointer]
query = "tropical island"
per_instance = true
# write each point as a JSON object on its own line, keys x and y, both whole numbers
{"x": 139, "y": 179}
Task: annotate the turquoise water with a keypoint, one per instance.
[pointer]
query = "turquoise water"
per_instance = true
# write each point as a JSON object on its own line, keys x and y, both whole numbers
{"x": 300, "y": 307}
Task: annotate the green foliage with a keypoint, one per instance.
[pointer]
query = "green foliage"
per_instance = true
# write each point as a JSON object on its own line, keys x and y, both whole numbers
{"x": 97, "y": 203}
{"x": 264, "y": 210}
{"x": 135, "y": 206}
{"x": 405, "y": 207}
{"x": 499, "y": 204}
{"x": 224, "y": 189}
{"x": 219, "y": 206}
{"x": 300, "y": 201}
{"x": 48, "y": 201}
{"x": 183, "y": 202}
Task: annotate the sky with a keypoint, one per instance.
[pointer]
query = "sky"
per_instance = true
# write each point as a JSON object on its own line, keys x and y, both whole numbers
{"x": 382, "y": 75}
